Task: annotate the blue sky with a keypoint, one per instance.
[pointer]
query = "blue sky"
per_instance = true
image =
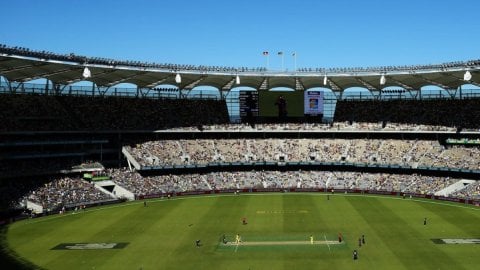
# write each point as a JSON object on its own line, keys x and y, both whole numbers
{"x": 331, "y": 33}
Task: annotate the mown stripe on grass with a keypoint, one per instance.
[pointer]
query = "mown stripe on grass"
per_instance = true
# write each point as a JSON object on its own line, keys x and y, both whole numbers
{"x": 302, "y": 216}
{"x": 117, "y": 226}
{"x": 406, "y": 243}
{"x": 352, "y": 225}
{"x": 455, "y": 217}
{"x": 217, "y": 216}
{"x": 74, "y": 229}
{"x": 127, "y": 204}
{"x": 98, "y": 214}
{"x": 310, "y": 220}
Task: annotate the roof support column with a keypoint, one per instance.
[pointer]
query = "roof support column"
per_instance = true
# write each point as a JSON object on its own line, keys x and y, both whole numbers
{"x": 57, "y": 89}
{"x": 410, "y": 93}
{"x": 9, "y": 85}
{"x": 14, "y": 89}
{"x": 338, "y": 95}
{"x": 223, "y": 94}
{"x": 451, "y": 92}
{"x": 47, "y": 83}
{"x": 93, "y": 89}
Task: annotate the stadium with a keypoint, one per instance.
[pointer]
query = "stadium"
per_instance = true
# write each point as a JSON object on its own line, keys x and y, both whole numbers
{"x": 101, "y": 177}
{"x": 239, "y": 135}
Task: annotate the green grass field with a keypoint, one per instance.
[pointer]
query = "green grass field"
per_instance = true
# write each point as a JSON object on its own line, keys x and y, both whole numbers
{"x": 162, "y": 235}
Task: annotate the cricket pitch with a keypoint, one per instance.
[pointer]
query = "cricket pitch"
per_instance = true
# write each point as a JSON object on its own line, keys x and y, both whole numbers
{"x": 281, "y": 243}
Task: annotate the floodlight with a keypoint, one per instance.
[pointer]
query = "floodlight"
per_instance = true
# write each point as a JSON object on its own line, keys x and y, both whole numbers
{"x": 467, "y": 76}
{"x": 237, "y": 80}
{"x": 325, "y": 80}
{"x": 383, "y": 80}
{"x": 178, "y": 78}
{"x": 86, "y": 73}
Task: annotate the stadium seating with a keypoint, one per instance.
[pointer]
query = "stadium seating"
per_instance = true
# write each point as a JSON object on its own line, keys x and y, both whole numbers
{"x": 400, "y": 152}
{"x": 68, "y": 113}
{"x": 464, "y": 113}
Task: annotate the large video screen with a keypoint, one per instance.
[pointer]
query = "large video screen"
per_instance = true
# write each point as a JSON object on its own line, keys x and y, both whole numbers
{"x": 313, "y": 103}
{"x": 281, "y": 104}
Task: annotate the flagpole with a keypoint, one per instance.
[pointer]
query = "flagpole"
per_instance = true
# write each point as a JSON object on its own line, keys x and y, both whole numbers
{"x": 268, "y": 58}
{"x": 294, "y": 61}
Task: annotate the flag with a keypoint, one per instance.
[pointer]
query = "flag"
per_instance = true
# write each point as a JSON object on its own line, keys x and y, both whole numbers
{"x": 280, "y": 53}
{"x": 265, "y": 53}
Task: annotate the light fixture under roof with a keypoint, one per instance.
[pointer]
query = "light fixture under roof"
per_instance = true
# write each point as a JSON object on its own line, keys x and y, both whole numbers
{"x": 86, "y": 73}
{"x": 178, "y": 78}
{"x": 383, "y": 80}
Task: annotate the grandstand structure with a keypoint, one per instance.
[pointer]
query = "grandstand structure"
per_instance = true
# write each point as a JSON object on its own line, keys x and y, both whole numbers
{"x": 21, "y": 64}
{"x": 157, "y": 141}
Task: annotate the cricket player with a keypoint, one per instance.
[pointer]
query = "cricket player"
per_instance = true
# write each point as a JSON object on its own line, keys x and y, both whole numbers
{"x": 224, "y": 239}
{"x": 238, "y": 239}
{"x": 311, "y": 239}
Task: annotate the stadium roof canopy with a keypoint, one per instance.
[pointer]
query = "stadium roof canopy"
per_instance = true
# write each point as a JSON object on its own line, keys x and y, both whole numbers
{"x": 21, "y": 65}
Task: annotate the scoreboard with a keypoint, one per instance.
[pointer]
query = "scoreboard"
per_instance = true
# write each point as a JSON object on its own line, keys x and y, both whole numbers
{"x": 248, "y": 104}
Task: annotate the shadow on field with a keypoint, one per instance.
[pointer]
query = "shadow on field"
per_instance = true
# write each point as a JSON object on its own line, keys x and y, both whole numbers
{"x": 8, "y": 258}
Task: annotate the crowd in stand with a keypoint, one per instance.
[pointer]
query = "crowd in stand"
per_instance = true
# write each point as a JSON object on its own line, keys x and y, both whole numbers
{"x": 68, "y": 192}
{"x": 139, "y": 185}
{"x": 74, "y": 192}
{"x": 13, "y": 189}
{"x": 33, "y": 112}
{"x": 24, "y": 112}
{"x": 323, "y": 180}
{"x": 53, "y": 113}
{"x": 459, "y": 113}
{"x": 111, "y": 62}
{"x": 410, "y": 68}
{"x": 71, "y": 57}
{"x": 412, "y": 153}
{"x": 471, "y": 191}
{"x": 37, "y": 166}
{"x": 336, "y": 126}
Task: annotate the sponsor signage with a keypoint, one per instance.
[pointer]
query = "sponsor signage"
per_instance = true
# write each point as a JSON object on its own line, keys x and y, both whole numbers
{"x": 89, "y": 246}
{"x": 456, "y": 241}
